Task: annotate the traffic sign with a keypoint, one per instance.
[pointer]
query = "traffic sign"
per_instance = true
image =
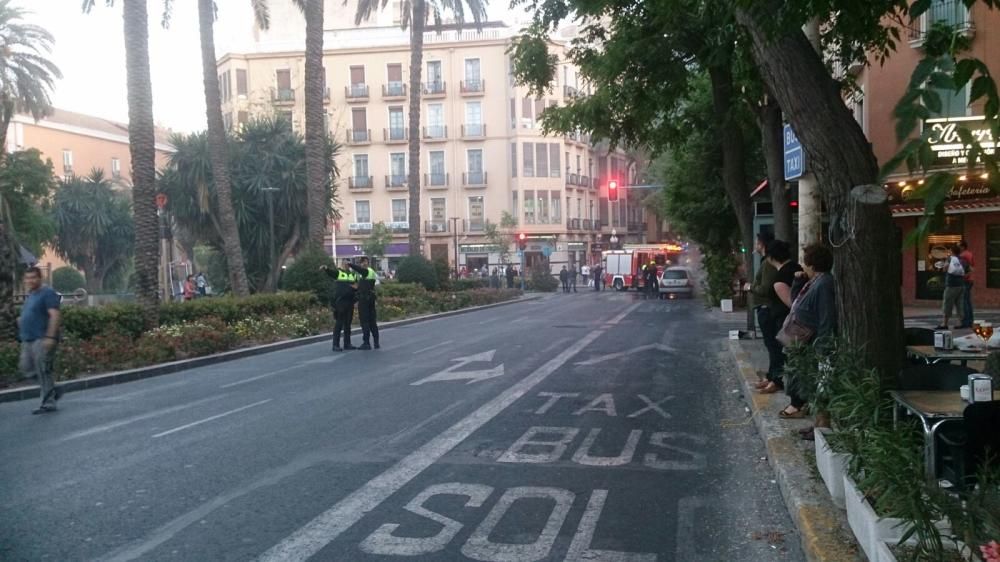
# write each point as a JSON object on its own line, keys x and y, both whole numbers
{"x": 795, "y": 157}
{"x": 547, "y": 251}
{"x": 520, "y": 254}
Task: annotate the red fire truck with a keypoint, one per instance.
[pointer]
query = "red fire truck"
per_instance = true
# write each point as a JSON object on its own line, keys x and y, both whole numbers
{"x": 623, "y": 268}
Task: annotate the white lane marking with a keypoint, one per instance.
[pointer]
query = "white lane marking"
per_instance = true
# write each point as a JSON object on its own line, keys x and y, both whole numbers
{"x": 327, "y": 526}
{"x": 616, "y": 355}
{"x": 258, "y": 377}
{"x": 321, "y": 360}
{"x": 452, "y": 374}
{"x": 133, "y": 419}
{"x": 432, "y": 347}
{"x": 580, "y": 549}
{"x": 208, "y": 419}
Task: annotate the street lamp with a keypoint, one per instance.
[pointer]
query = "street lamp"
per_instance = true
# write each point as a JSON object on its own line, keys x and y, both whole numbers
{"x": 614, "y": 239}
{"x": 454, "y": 235}
{"x": 270, "y": 218}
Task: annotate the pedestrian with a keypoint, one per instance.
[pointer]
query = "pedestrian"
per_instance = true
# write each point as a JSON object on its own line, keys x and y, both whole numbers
{"x": 651, "y": 284}
{"x": 38, "y": 331}
{"x": 585, "y": 273}
{"x": 189, "y": 288}
{"x": 345, "y": 287}
{"x": 202, "y": 284}
{"x": 779, "y": 256}
{"x": 598, "y": 277}
{"x": 510, "y": 276}
{"x": 770, "y": 312}
{"x": 495, "y": 278}
{"x": 367, "y": 279}
{"x": 954, "y": 286}
{"x": 970, "y": 263}
{"x": 564, "y": 278}
{"x": 572, "y": 277}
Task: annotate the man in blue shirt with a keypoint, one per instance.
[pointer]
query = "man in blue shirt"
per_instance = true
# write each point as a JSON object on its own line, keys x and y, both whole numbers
{"x": 38, "y": 329}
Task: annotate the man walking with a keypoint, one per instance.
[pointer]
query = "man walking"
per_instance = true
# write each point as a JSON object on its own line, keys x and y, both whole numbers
{"x": 345, "y": 286}
{"x": 564, "y": 278}
{"x": 585, "y": 272}
{"x": 598, "y": 277}
{"x": 970, "y": 265}
{"x": 366, "y": 303}
{"x": 651, "y": 285}
{"x": 38, "y": 330}
{"x": 572, "y": 277}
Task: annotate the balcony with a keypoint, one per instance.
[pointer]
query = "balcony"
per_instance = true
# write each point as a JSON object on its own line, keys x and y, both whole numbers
{"x": 474, "y": 131}
{"x": 356, "y": 93}
{"x": 572, "y": 179}
{"x": 573, "y": 224}
{"x": 585, "y": 182}
{"x": 394, "y": 135}
{"x": 952, "y": 12}
{"x": 399, "y": 227}
{"x": 282, "y": 96}
{"x": 436, "y": 181}
{"x": 394, "y": 91}
{"x": 359, "y": 182}
{"x": 436, "y": 133}
{"x": 473, "y": 87}
{"x": 570, "y": 92}
{"x": 474, "y": 179}
{"x": 395, "y": 181}
{"x": 591, "y": 224}
{"x": 359, "y": 228}
{"x": 473, "y": 225}
{"x": 359, "y": 136}
{"x": 437, "y": 227}
{"x": 435, "y": 89}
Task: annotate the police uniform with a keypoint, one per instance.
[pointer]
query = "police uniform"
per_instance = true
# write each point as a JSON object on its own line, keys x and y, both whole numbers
{"x": 343, "y": 305}
{"x": 366, "y": 305}
{"x": 651, "y": 289}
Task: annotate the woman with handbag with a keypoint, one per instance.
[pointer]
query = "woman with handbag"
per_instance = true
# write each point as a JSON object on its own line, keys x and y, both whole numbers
{"x": 813, "y": 317}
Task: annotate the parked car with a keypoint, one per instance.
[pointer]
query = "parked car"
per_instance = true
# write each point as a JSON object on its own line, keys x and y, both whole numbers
{"x": 676, "y": 281}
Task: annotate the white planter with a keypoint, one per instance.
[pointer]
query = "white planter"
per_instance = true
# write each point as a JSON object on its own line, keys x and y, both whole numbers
{"x": 832, "y": 467}
{"x": 884, "y": 553}
{"x": 870, "y": 529}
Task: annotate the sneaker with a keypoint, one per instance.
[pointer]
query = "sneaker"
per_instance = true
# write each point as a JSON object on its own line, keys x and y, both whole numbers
{"x": 58, "y": 393}
{"x": 44, "y": 409}
{"x": 365, "y": 347}
{"x": 337, "y": 348}
{"x": 376, "y": 345}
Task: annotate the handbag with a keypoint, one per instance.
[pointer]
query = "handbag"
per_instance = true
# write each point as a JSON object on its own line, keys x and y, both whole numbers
{"x": 794, "y": 332}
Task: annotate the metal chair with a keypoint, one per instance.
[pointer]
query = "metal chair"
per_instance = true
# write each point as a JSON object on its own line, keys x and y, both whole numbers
{"x": 940, "y": 376}
{"x": 970, "y": 444}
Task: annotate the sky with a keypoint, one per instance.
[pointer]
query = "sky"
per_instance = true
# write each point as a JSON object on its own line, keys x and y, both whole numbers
{"x": 90, "y": 51}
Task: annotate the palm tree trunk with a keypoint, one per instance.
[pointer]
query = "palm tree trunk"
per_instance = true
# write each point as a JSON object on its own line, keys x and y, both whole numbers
{"x": 142, "y": 147}
{"x": 416, "y": 61}
{"x": 217, "y": 152}
{"x": 316, "y": 170}
{"x": 8, "y": 324}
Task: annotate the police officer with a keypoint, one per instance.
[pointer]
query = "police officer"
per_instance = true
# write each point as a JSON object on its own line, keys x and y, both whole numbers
{"x": 366, "y": 303}
{"x": 343, "y": 303}
{"x": 651, "y": 289}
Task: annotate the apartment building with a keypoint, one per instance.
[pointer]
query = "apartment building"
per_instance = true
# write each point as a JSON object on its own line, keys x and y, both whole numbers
{"x": 482, "y": 149}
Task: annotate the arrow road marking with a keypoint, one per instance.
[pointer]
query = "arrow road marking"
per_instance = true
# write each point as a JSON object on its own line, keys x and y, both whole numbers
{"x": 611, "y": 356}
{"x": 453, "y": 374}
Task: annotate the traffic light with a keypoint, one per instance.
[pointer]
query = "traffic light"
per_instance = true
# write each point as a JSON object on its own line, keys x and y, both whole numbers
{"x": 612, "y": 190}
{"x": 522, "y": 241}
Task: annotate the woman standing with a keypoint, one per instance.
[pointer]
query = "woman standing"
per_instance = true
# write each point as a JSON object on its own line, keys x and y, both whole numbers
{"x": 954, "y": 286}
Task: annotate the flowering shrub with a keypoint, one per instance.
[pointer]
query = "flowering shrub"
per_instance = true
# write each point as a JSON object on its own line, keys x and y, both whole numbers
{"x": 991, "y": 552}
{"x": 270, "y": 329}
{"x": 194, "y": 339}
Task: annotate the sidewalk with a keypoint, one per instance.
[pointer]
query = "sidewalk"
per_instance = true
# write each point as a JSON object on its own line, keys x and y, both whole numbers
{"x": 930, "y": 317}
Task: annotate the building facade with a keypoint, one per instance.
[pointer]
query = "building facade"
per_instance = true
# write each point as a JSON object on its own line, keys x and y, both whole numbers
{"x": 482, "y": 151}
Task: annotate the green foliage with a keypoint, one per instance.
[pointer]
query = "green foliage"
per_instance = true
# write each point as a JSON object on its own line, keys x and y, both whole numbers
{"x": 720, "y": 269}
{"x": 501, "y": 236}
{"x": 417, "y": 269}
{"x": 9, "y": 353}
{"x": 25, "y": 184}
{"x": 374, "y": 246}
{"x": 66, "y": 280}
{"x": 28, "y": 76}
{"x": 87, "y": 322}
{"x": 443, "y": 272}
{"x": 992, "y": 367}
{"x": 471, "y": 283}
{"x": 541, "y": 280}
{"x": 305, "y": 275}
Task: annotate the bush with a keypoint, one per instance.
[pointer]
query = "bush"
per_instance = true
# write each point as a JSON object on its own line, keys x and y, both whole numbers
{"x": 87, "y": 322}
{"x": 66, "y": 280}
{"x": 233, "y": 309}
{"x": 305, "y": 275}
{"x": 541, "y": 280}
{"x": 720, "y": 269}
{"x": 417, "y": 269}
{"x": 443, "y": 272}
{"x": 9, "y": 353}
{"x": 467, "y": 284}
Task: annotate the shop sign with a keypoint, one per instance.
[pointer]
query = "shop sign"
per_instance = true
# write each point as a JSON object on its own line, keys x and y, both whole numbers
{"x": 598, "y": 247}
{"x": 963, "y": 190}
{"x": 947, "y": 145}
{"x": 578, "y": 246}
{"x": 477, "y": 248}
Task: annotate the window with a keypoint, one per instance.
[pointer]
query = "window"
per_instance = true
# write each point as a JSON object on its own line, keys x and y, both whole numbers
{"x": 363, "y": 211}
{"x": 439, "y": 211}
{"x": 242, "y": 117}
{"x": 556, "y": 201}
{"x": 283, "y": 78}
{"x": 359, "y": 122}
{"x": 577, "y": 163}
{"x": 539, "y": 108}
{"x": 361, "y": 168}
{"x": 993, "y": 256}
{"x": 473, "y": 78}
{"x": 555, "y": 166}
{"x": 227, "y": 121}
{"x": 579, "y": 208}
{"x": 513, "y": 113}
{"x": 435, "y": 121}
{"x": 541, "y": 160}
{"x": 395, "y": 86}
{"x": 397, "y": 168}
{"x": 513, "y": 204}
{"x": 116, "y": 168}
{"x": 527, "y": 114}
{"x": 513, "y": 159}
{"x": 397, "y": 128}
{"x": 474, "y": 160}
{"x": 474, "y": 119}
{"x": 241, "y": 82}
{"x": 529, "y": 206}
{"x": 399, "y": 210}
{"x": 477, "y": 214}
{"x": 542, "y": 206}
{"x": 437, "y": 167}
{"x": 68, "y": 161}
{"x": 529, "y": 160}
{"x": 285, "y": 115}
{"x": 434, "y": 77}
{"x": 953, "y": 104}
{"x": 225, "y": 88}
{"x": 358, "y": 88}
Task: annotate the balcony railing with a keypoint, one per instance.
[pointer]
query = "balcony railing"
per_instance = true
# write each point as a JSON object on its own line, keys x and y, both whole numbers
{"x": 394, "y": 134}
{"x": 436, "y": 180}
{"x": 435, "y": 89}
{"x": 474, "y": 131}
{"x": 359, "y": 136}
{"x": 573, "y": 224}
{"x": 282, "y": 95}
{"x": 951, "y": 12}
{"x": 360, "y": 228}
{"x": 474, "y": 179}
{"x": 395, "y": 181}
{"x": 436, "y": 132}
{"x": 394, "y": 90}
{"x": 356, "y": 92}
{"x": 473, "y": 86}
{"x": 473, "y": 225}
{"x": 399, "y": 227}
{"x": 591, "y": 224}
{"x": 359, "y": 182}
{"x": 437, "y": 227}
{"x": 572, "y": 179}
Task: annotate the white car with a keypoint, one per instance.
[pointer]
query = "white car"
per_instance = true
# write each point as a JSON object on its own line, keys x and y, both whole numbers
{"x": 676, "y": 281}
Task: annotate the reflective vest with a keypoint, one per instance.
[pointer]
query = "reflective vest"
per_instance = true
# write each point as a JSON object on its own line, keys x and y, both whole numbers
{"x": 372, "y": 276}
{"x": 345, "y": 276}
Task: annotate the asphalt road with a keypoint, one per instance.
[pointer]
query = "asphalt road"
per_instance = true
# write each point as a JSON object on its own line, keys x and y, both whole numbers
{"x": 578, "y": 427}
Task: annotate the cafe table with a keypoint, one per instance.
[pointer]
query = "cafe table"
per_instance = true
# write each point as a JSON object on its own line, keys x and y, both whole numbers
{"x": 935, "y": 408}
{"x": 932, "y": 355}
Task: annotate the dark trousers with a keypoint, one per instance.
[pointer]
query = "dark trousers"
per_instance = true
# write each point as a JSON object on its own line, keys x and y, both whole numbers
{"x": 770, "y": 324}
{"x": 343, "y": 316}
{"x": 369, "y": 324}
{"x": 651, "y": 290}
{"x": 967, "y": 304}
{"x": 598, "y": 282}
{"x": 572, "y": 282}
{"x": 510, "y": 282}
{"x": 565, "y": 285}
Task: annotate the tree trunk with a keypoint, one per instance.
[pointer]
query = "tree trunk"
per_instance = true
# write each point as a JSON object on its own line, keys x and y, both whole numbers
{"x": 731, "y": 139}
{"x": 142, "y": 148}
{"x": 867, "y": 264}
{"x": 316, "y": 171}
{"x": 218, "y": 154}
{"x": 413, "y": 180}
{"x": 772, "y": 140}
{"x": 8, "y": 262}
{"x": 283, "y": 255}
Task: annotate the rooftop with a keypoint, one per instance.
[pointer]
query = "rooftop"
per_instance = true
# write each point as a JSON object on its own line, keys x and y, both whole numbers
{"x": 95, "y": 124}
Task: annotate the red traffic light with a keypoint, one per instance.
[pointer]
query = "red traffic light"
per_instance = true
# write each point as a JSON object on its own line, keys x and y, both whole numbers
{"x": 522, "y": 241}
{"x": 521, "y": 236}
{"x": 612, "y": 190}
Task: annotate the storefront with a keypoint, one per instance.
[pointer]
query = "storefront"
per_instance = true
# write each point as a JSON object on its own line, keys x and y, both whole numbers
{"x": 393, "y": 254}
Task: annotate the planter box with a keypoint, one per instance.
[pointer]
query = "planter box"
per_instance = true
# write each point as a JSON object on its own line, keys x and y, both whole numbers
{"x": 871, "y": 530}
{"x": 884, "y": 554}
{"x": 832, "y": 466}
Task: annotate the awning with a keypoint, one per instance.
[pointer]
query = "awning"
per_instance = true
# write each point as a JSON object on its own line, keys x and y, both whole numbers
{"x": 968, "y": 206}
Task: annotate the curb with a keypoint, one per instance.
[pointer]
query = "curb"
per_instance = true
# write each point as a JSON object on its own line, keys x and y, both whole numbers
{"x": 820, "y": 523}
{"x": 118, "y": 377}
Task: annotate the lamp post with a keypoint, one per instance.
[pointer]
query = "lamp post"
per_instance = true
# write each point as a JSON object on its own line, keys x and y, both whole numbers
{"x": 454, "y": 235}
{"x": 270, "y": 221}
{"x": 614, "y": 239}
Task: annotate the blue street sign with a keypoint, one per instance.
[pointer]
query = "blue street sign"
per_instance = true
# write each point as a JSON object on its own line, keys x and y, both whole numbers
{"x": 795, "y": 158}
{"x": 547, "y": 251}
{"x": 520, "y": 254}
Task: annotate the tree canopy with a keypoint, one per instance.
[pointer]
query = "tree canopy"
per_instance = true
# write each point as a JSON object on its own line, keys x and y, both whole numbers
{"x": 25, "y": 184}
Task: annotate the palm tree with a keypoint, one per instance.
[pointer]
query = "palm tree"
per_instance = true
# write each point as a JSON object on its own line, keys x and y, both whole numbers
{"x": 142, "y": 148}
{"x": 26, "y": 78}
{"x": 414, "y": 16}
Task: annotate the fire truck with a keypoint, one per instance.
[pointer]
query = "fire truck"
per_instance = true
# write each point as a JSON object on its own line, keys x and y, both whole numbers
{"x": 623, "y": 268}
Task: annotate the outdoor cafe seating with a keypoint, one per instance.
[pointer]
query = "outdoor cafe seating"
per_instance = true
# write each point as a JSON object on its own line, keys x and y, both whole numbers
{"x": 969, "y": 443}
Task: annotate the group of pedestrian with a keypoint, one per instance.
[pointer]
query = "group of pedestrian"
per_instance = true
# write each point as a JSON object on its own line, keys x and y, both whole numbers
{"x": 195, "y": 286}
{"x": 568, "y": 279}
{"x": 958, "y": 286}
{"x": 354, "y": 283}
{"x": 794, "y": 305}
